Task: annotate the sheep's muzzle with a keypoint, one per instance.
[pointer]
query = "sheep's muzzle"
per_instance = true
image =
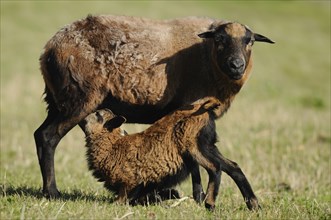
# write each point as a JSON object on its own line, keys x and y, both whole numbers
{"x": 235, "y": 68}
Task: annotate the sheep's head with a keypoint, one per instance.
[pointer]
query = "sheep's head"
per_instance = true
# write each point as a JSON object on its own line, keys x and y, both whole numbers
{"x": 97, "y": 121}
{"x": 232, "y": 44}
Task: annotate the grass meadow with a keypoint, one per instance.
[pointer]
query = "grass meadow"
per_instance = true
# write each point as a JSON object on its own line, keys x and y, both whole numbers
{"x": 278, "y": 128}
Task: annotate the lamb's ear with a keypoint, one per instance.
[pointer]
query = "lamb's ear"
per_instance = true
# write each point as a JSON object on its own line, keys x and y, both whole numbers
{"x": 114, "y": 122}
{"x": 211, "y": 104}
{"x": 261, "y": 38}
{"x": 187, "y": 107}
{"x": 207, "y": 34}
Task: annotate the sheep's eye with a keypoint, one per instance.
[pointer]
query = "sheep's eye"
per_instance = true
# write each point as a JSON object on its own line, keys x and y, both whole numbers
{"x": 219, "y": 38}
{"x": 249, "y": 41}
{"x": 99, "y": 117}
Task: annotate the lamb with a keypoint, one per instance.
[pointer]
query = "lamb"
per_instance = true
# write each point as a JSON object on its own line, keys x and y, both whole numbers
{"x": 161, "y": 156}
{"x": 139, "y": 68}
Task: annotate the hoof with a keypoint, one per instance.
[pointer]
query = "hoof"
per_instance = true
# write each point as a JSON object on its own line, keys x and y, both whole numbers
{"x": 52, "y": 193}
{"x": 156, "y": 197}
{"x": 199, "y": 196}
{"x": 169, "y": 194}
{"x": 210, "y": 207}
{"x": 253, "y": 204}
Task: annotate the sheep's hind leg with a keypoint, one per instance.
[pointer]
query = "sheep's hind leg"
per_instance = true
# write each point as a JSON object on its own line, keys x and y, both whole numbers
{"x": 44, "y": 152}
{"x": 47, "y": 137}
{"x": 234, "y": 171}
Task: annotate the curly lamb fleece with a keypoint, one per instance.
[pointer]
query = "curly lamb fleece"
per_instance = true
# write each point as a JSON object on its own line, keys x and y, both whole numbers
{"x": 160, "y": 157}
{"x": 139, "y": 68}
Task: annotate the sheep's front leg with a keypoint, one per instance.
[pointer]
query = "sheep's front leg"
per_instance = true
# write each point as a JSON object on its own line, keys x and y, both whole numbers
{"x": 212, "y": 189}
{"x": 211, "y": 162}
{"x": 234, "y": 171}
{"x": 198, "y": 194}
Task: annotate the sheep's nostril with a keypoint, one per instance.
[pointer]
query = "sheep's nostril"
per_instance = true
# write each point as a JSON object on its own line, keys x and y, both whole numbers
{"x": 236, "y": 64}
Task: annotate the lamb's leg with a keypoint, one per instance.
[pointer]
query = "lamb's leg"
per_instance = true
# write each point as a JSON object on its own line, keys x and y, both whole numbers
{"x": 122, "y": 196}
{"x": 47, "y": 137}
{"x": 234, "y": 171}
{"x": 154, "y": 197}
{"x": 198, "y": 194}
{"x": 166, "y": 194}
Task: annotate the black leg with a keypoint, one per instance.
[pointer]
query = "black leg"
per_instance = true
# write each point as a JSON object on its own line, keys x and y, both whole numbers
{"x": 208, "y": 157}
{"x": 198, "y": 194}
{"x": 212, "y": 189}
{"x": 234, "y": 171}
{"x": 47, "y": 137}
{"x": 45, "y": 151}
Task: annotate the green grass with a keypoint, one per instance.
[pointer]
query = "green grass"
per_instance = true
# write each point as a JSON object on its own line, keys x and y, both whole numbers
{"x": 278, "y": 129}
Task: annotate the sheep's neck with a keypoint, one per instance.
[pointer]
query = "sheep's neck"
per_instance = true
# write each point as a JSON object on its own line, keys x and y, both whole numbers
{"x": 99, "y": 145}
{"x": 226, "y": 89}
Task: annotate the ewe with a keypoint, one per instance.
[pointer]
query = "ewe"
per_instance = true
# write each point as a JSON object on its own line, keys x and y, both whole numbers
{"x": 141, "y": 69}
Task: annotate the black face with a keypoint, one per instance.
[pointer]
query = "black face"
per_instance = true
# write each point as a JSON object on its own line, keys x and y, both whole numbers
{"x": 233, "y": 53}
{"x": 232, "y": 44}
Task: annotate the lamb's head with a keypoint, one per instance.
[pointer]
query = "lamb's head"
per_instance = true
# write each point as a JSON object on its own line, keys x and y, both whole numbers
{"x": 232, "y": 44}
{"x": 100, "y": 120}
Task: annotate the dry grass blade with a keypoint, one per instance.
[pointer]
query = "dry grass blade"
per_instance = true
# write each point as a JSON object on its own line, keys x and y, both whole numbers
{"x": 125, "y": 215}
{"x": 179, "y": 201}
{"x": 278, "y": 129}
{"x": 58, "y": 212}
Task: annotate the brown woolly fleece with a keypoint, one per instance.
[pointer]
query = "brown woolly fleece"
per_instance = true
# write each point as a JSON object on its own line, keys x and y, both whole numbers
{"x": 161, "y": 156}
{"x": 156, "y": 158}
{"x": 139, "y": 61}
{"x": 139, "y": 68}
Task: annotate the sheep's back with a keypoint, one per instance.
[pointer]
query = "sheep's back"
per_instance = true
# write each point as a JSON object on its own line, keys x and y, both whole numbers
{"x": 140, "y": 159}
{"x": 126, "y": 56}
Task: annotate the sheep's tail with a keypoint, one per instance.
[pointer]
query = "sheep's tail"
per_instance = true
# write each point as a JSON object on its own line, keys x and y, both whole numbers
{"x": 51, "y": 71}
{"x": 47, "y": 68}
{"x": 60, "y": 84}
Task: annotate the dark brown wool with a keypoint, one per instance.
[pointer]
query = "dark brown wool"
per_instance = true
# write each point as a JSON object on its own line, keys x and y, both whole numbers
{"x": 161, "y": 156}
{"x": 139, "y": 68}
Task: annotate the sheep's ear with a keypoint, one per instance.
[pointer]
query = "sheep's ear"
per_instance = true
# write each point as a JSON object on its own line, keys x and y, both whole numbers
{"x": 115, "y": 122}
{"x": 211, "y": 104}
{"x": 207, "y": 34}
{"x": 187, "y": 107}
{"x": 261, "y": 38}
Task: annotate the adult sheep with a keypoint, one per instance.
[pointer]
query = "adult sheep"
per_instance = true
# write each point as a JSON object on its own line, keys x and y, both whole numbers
{"x": 141, "y": 69}
{"x": 161, "y": 156}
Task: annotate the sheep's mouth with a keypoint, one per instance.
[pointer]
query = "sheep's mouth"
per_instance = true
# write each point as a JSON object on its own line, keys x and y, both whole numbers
{"x": 236, "y": 76}
{"x": 233, "y": 73}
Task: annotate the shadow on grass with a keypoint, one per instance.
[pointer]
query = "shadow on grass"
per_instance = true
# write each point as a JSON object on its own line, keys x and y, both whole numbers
{"x": 75, "y": 195}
